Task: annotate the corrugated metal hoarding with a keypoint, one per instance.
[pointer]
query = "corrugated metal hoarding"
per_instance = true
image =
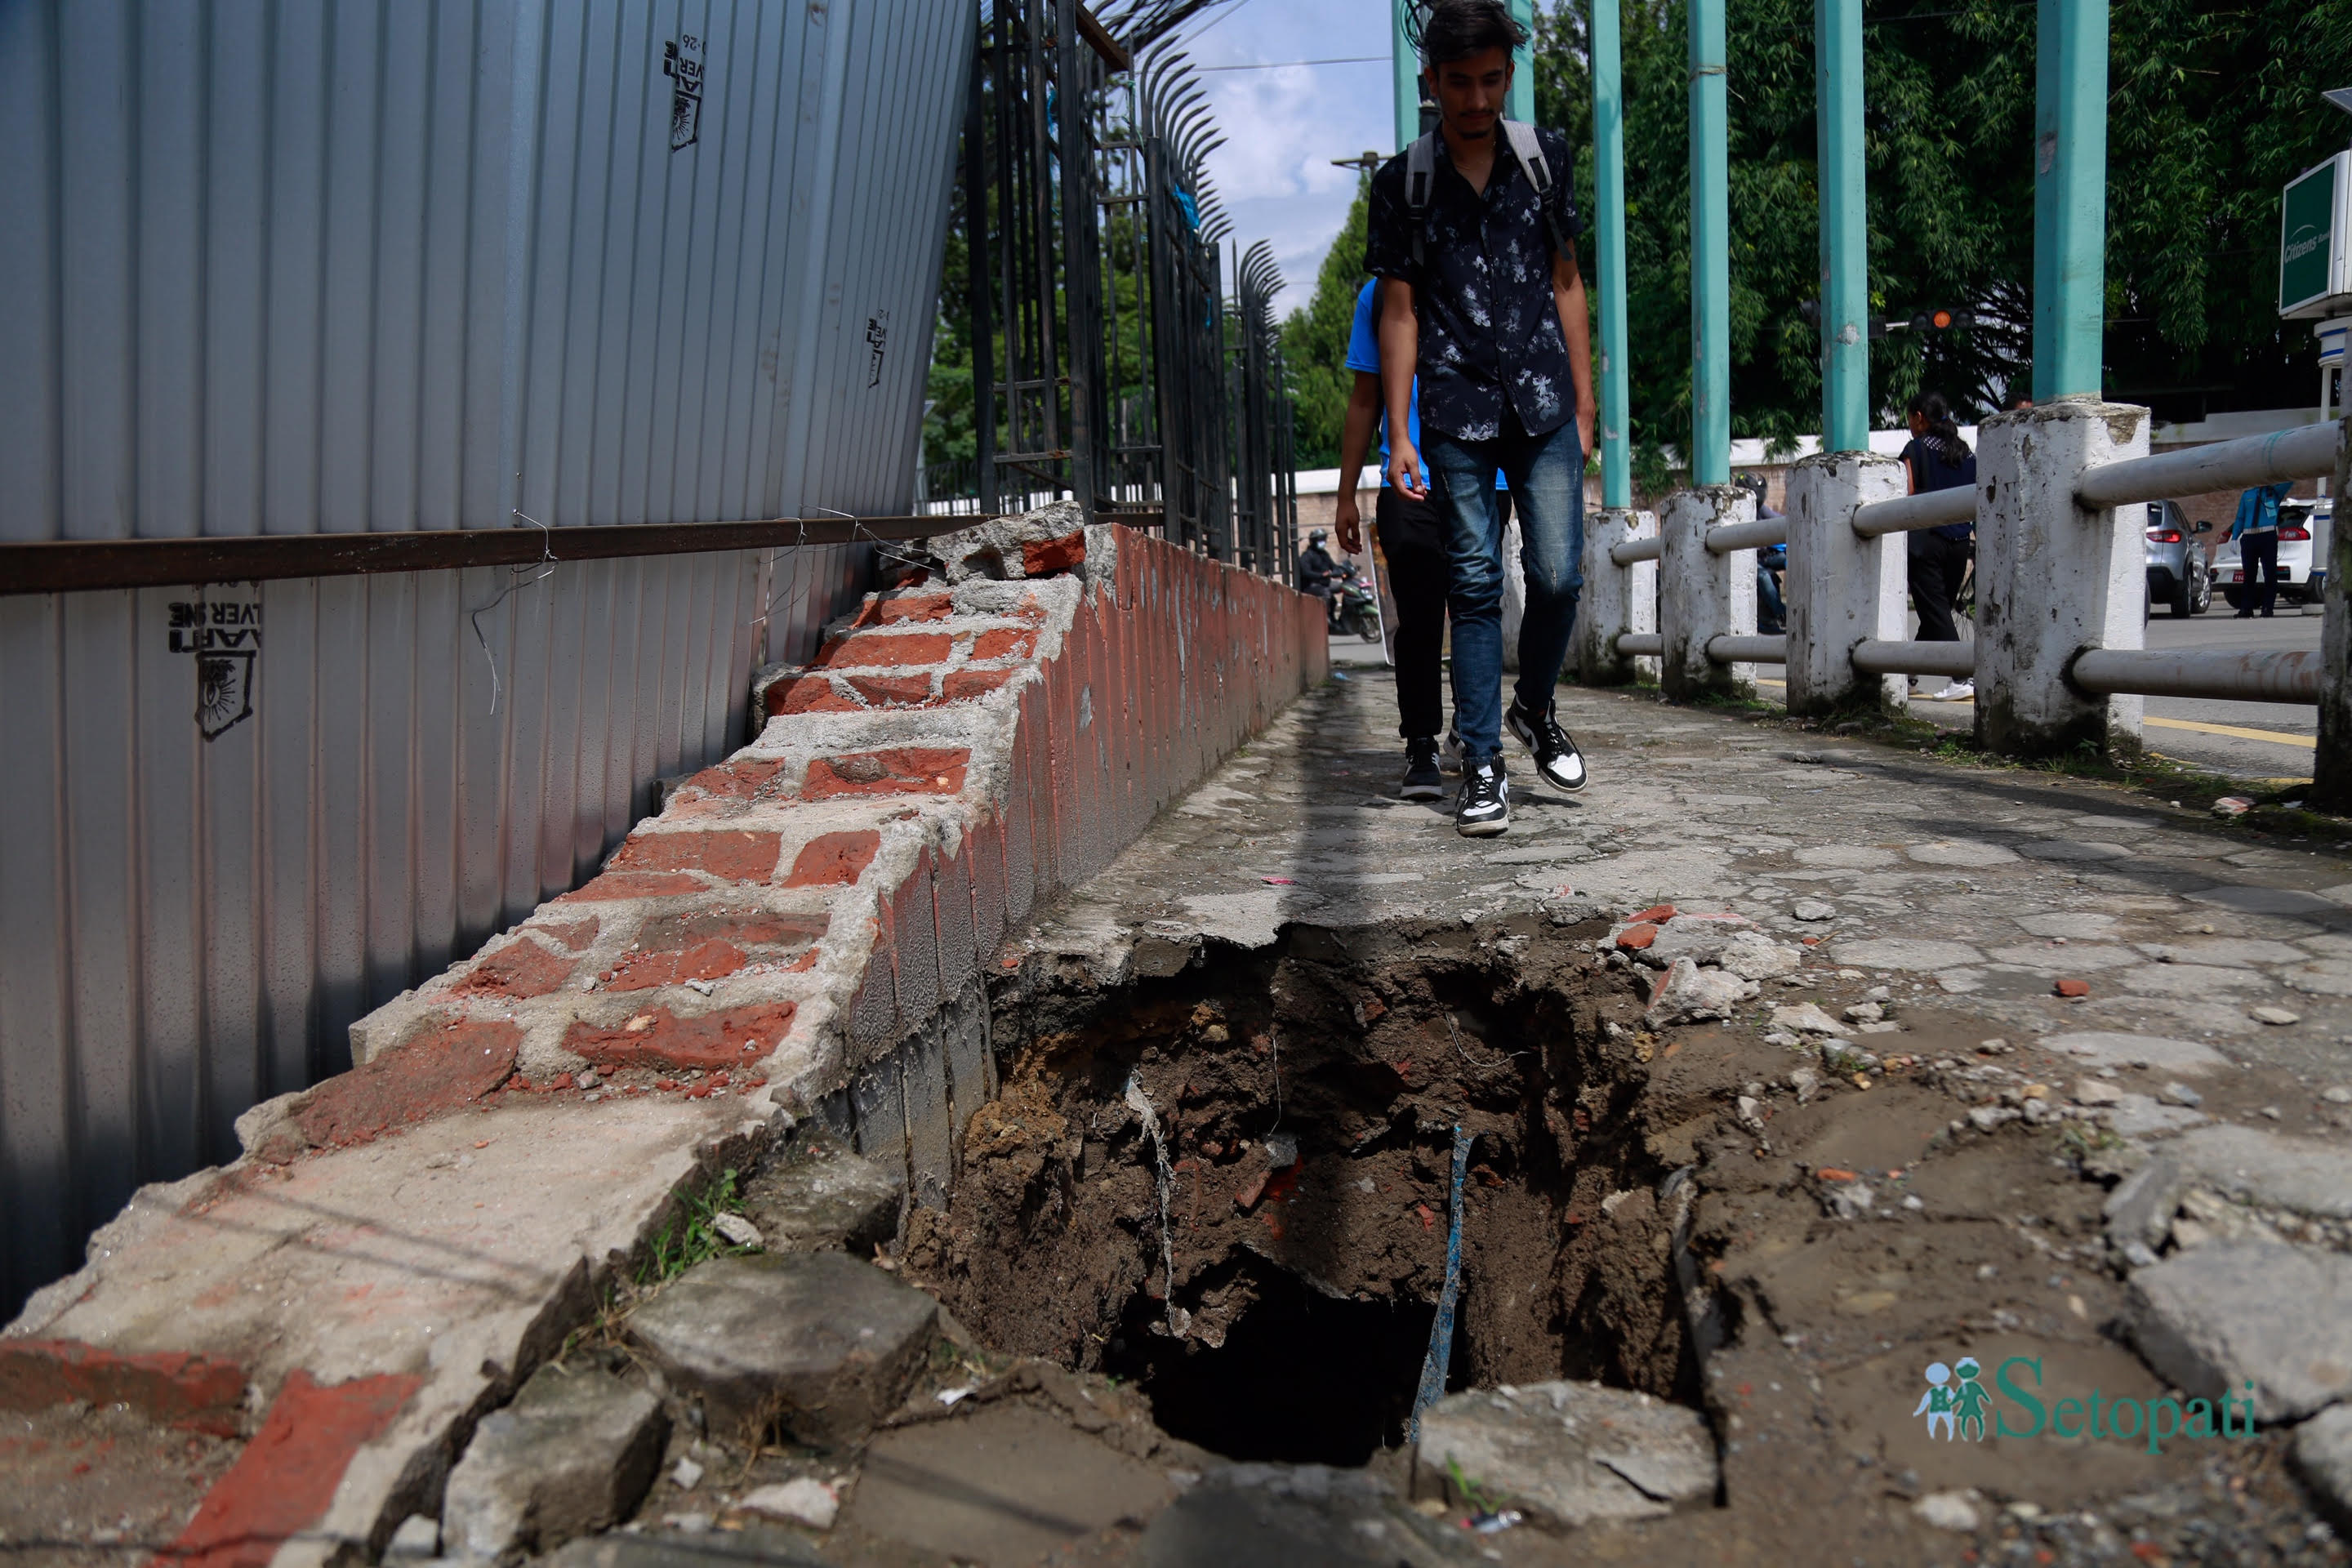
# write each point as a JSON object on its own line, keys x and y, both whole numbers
{"x": 301, "y": 267}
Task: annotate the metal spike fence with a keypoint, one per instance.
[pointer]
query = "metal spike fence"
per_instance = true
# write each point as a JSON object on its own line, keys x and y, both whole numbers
{"x": 1109, "y": 363}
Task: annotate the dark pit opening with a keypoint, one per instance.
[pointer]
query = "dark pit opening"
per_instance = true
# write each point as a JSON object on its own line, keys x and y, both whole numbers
{"x": 1233, "y": 1184}
{"x": 1301, "y": 1378}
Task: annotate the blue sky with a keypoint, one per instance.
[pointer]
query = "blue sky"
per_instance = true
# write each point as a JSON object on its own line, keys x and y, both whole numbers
{"x": 1283, "y": 127}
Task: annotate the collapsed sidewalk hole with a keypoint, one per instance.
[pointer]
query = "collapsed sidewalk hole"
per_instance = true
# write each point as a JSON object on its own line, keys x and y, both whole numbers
{"x": 1234, "y": 1184}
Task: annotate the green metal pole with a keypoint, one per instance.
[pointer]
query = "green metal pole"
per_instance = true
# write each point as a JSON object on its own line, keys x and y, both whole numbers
{"x": 1609, "y": 250}
{"x": 1405, "y": 69}
{"x": 1845, "y": 231}
{"x": 1710, "y": 454}
{"x": 2070, "y": 196}
{"x": 1521, "y": 103}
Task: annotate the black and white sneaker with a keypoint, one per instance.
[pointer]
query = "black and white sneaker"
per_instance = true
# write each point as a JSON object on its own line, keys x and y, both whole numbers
{"x": 1421, "y": 779}
{"x": 1557, "y": 758}
{"x": 1449, "y": 758}
{"x": 1484, "y": 807}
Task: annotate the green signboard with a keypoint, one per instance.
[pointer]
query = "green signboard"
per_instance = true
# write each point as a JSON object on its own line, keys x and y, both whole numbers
{"x": 2311, "y": 240}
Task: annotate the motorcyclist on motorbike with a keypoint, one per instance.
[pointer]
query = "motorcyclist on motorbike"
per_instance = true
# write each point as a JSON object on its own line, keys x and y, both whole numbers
{"x": 1318, "y": 573}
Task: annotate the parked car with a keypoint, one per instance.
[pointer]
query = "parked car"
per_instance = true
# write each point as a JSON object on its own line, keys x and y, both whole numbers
{"x": 2176, "y": 573}
{"x": 2303, "y": 528}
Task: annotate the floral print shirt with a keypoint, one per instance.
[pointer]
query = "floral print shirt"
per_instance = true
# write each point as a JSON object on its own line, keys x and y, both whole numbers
{"x": 1490, "y": 335}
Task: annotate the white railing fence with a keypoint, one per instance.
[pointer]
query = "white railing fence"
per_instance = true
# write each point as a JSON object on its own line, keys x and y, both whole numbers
{"x": 2061, "y": 582}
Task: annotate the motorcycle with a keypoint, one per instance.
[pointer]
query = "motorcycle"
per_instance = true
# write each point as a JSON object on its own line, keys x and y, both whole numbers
{"x": 1355, "y": 608}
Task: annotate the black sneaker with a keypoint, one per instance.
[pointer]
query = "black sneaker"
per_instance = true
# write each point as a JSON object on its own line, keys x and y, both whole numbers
{"x": 1421, "y": 779}
{"x": 1484, "y": 808}
{"x": 1557, "y": 758}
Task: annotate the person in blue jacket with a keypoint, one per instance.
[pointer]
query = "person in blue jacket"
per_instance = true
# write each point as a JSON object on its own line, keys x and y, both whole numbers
{"x": 2256, "y": 530}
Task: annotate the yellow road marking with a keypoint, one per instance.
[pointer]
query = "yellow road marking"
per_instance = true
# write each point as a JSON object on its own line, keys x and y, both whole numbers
{"x": 2235, "y": 731}
{"x": 2277, "y": 737}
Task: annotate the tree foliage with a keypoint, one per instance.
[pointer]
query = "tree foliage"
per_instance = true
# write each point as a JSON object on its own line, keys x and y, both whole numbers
{"x": 1315, "y": 343}
{"x": 2211, "y": 112}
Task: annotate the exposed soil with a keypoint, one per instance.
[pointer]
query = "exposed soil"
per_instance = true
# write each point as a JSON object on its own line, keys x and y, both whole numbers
{"x": 87, "y": 1486}
{"x": 1306, "y": 1099}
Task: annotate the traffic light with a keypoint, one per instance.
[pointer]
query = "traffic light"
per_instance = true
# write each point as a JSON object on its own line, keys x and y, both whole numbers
{"x": 1942, "y": 320}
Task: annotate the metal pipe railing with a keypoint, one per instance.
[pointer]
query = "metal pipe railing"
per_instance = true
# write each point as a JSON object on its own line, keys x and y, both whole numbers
{"x": 1633, "y": 549}
{"x": 1909, "y": 514}
{"x": 1734, "y": 536}
{"x": 1730, "y": 649}
{"x": 1877, "y": 658}
{"x": 1635, "y": 645}
{"x": 2302, "y": 454}
{"x": 2243, "y": 674}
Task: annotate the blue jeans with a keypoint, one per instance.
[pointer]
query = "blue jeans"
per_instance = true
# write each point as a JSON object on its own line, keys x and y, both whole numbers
{"x": 1546, "y": 473}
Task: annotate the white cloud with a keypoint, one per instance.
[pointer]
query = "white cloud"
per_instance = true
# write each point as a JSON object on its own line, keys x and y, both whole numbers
{"x": 1283, "y": 127}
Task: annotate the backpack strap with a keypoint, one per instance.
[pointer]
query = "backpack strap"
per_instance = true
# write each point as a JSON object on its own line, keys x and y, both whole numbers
{"x": 1420, "y": 173}
{"x": 1528, "y": 149}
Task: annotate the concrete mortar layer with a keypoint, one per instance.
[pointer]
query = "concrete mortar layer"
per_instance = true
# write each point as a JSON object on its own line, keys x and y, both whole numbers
{"x": 795, "y": 920}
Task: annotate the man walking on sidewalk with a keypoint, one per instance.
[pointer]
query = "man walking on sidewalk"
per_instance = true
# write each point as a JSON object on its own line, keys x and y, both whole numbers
{"x": 1472, "y": 231}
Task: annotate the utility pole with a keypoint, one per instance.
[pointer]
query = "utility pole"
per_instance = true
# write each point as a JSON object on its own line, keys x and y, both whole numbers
{"x": 1845, "y": 230}
{"x": 1710, "y": 449}
{"x": 2070, "y": 198}
{"x": 1609, "y": 249}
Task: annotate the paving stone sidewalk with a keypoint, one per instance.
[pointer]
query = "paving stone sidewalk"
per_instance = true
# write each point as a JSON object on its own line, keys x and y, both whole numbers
{"x": 2029, "y": 989}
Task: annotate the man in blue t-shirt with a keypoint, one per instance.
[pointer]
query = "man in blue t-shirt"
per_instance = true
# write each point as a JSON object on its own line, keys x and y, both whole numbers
{"x": 1413, "y": 538}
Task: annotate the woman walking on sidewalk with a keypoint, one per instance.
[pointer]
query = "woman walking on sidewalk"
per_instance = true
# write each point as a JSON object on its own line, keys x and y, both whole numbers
{"x": 1938, "y": 459}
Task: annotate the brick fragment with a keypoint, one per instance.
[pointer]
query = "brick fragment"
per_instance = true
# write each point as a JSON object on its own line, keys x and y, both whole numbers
{"x": 916, "y": 608}
{"x": 709, "y": 960}
{"x": 2074, "y": 988}
{"x": 283, "y": 1482}
{"x": 658, "y": 1038}
{"x": 885, "y": 648}
{"x": 960, "y": 684}
{"x": 744, "y": 928}
{"x": 616, "y": 884}
{"x": 183, "y": 1390}
{"x": 739, "y": 855}
{"x": 1051, "y": 557}
{"x": 900, "y": 770}
{"x": 894, "y": 690}
{"x": 1004, "y": 642}
{"x": 807, "y": 694}
{"x": 733, "y": 781}
{"x": 574, "y": 935}
{"x": 834, "y": 859}
{"x": 521, "y": 968}
{"x": 435, "y": 1071}
{"x": 1634, "y": 938}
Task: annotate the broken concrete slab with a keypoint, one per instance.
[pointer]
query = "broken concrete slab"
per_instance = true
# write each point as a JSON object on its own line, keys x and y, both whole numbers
{"x": 2104, "y": 1048}
{"x": 1577, "y": 1452}
{"x": 1907, "y": 952}
{"x": 1686, "y": 994}
{"x": 2270, "y": 1168}
{"x": 820, "y": 1195}
{"x": 821, "y": 1343}
{"x": 2323, "y": 1457}
{"x": 2140, "y": 1209}
{"x": 2234, "y": 1313}
{"x": 572, "y": 1454}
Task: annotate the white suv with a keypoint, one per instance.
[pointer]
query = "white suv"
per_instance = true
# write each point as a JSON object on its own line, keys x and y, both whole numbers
{"x": 2303, "y": 527}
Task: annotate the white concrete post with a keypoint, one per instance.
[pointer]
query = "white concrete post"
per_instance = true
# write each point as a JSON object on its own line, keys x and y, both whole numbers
{"x": 2053, "y": 578}
{"x": 1701, "y": 594}
{"x": 1616, "y": 599}
{"x": 1840, "y": 588}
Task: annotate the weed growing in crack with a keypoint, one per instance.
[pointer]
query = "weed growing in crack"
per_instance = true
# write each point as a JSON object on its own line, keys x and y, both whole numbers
{"x": 690, "y": 1236}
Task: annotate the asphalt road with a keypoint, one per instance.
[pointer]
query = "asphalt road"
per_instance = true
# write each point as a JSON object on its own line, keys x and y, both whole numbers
{"x": 2270, "y": 741}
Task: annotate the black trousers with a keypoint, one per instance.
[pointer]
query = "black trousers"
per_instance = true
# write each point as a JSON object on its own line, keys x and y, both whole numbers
{"x": 1937, "y": 565}
{"x": 1413, "y": 540}
{"x": 2258, "y": 553}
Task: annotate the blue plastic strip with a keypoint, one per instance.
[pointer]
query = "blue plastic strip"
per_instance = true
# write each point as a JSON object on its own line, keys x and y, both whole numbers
{"x": 1440, "y": 1332}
